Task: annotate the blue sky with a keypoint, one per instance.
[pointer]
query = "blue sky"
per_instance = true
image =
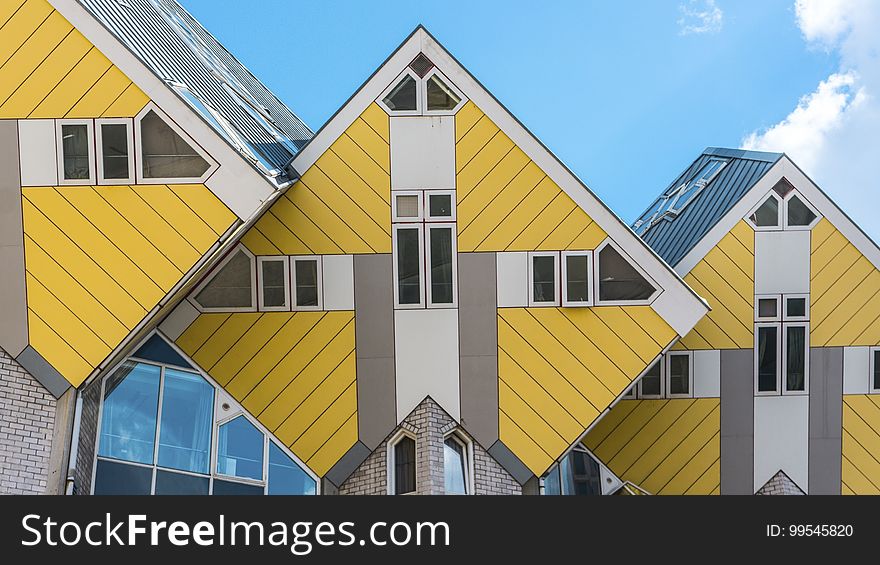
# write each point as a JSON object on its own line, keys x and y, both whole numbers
{"x": 625, "y": 93}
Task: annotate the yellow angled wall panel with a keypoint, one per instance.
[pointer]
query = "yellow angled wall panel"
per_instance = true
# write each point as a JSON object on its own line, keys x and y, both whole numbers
{"x": 186, "y": 222}
{"x": 378, "y": 120}
{"x": 326, "y": 425}
{"x": 99, "y": 98}
{"x": 200, "y": 331}
{"x": 57, "y": 351}
{"x": 860, "y": 473}
{"x": 27, "y": 58}
{"x": 473, "y": 141}
{"x": 370, "y": 199}
{"x": 529, "y": 452}
{"x": 232, "y": 329}
{"x": 364, "y": 165}
{"x": 8, "y": 9}
{"x": 466, "y": 118}
{"x": 74, "y": 86}
{"x": 489, "y": 187}
{"x": 335, "y": 447}
{"x": 250, "y": 345}
{"x": 259, "y": 244}
{"x": 371, "y": 142}
{"x": 24, "y": 22}
{"x": 206, "y": 205}
{"x": 128, "y": 104}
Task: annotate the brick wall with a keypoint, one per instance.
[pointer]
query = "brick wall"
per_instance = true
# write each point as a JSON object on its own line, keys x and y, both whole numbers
{"x": 780, "y": 484}
{"x": 429, "y": 424}
{"x": 88, "y": 434}
{"x": 27, "y": 420}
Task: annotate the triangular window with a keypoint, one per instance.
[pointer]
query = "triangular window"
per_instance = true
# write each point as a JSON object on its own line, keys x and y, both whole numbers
{"x": 799, "y": 214}
{"x": 619, "y": 280}
{"x": 440, "y": 96}
{"x": 767, "y": 215}
{"x": 166, "y": 155}
{"x": 403, "y": 96}
{"x": 232, "y": 286}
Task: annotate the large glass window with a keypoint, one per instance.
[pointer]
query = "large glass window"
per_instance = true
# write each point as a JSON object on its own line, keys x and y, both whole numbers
{"x": 455, "y": 465}
{"x": 285, "y": 476}
{"x": 165, "y": 154}
{"x": 232, "y": 286}
{"x": 576, "y": 474}
{"x": 76, "y": 158}
{"x": 187, "y": 415}
{"x": 240, "y": 450}
{"x": 404, "y": 465}
{"x": 128, "y": 424}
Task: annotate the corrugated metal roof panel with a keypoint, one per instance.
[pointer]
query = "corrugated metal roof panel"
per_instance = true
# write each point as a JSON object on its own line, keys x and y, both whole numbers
{"x": 181, "y": 52}
{"x": 673, "y": 237}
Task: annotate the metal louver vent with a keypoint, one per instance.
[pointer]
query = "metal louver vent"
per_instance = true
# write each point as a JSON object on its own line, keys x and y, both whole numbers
{"x": 783, "y": 187}
{"x": 421, "y": 65}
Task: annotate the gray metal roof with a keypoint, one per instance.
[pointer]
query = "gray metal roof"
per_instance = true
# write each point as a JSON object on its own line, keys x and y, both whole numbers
{"x": 209, "y": 78}
{"x": 674, "y": 236}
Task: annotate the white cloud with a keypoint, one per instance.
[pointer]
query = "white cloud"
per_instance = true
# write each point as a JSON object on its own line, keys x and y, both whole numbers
{"x": 698, "y": 17}
{"x": 833, "y": 133}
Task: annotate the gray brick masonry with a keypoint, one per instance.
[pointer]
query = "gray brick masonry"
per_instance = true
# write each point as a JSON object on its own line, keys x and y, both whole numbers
{"x": 780, "y": 484}
{"x": 27, "y": 420}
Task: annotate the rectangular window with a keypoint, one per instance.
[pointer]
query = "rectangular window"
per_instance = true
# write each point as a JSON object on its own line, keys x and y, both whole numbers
{"x": 651, "y": 383}
{"x": 75, "y": 153}
{"x": 274, "y": 288}
{"x": 796, "y": 357}
{"x": 408, "y": 253}
{"x": 441, "y": 264}
{"x": 407, "y": 206}
{"x": 875, "y": 370}
{"x": 440, "y": 205}
{"x": 404, "y": 465}
{"x": 767, "y": 359}
{"x": 306, "y": 283}
{"x": 680, "y": 375}
{"x": 543, "y": 271}
{"x": 116, "y": 158}
{"x": 796, "y": 307}
{"x": 577, "y": 278}
{"x": 767, "y": 308}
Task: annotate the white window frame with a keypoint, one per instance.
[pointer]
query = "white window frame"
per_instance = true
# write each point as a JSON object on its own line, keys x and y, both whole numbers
{"x": 407, "y": 219}
{"x": 59, "y": 139}
{"x": 394, "y": 257}
{"x": 590, "y": 276}
{"x": 317, "y": 259}
{"x": 667, "y": 377}
{"x": 805, "y": 317}
{"x": 426, "y": 206}
{"x": 556, "y": 280}
{"x": 394, "y": 83}
{"x": 139, "y": 170}
{"x": 99, "y": 150}
{"x": 468, "y": 451}
{"x": 783, "y": 383}
{"x": 806, "y": 203}
{"x": 423, "y": 94}
{"x": 287, "y": 281}
{"x": 780, "y": 213}
{"x": 779, "y": 358}
{"x": 661, "y": 361}
{"x": 778, "y": 316}
{"x": 210, "y": 276}
{"x": 871, "y": 361}
{"x": 426, "y": 252}
{"x": 390, "y": 462}
{"x": 597, "y": 278}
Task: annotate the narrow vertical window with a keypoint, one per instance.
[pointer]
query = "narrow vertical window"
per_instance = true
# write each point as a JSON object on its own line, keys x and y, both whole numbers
{"x": 543, "y": 270}
{"x": 75, "y": 152}
{"x": 795, "y": 358}
{"x": 185, "y": 425}
{"x": 115, "y": 162}
{"x": 650, "y": 384}
{"x": 274, "y": 292}
{"x": 128, "y": 421}
{"x": 679, "y": 374}
{"x": 455, "y": 465}
{"x": 240, "y": 450}
{"x": 577, "y": 268}
{"x": 875, "y": 376}
{"x": 409, "y": 265}
{"x": 307, "y": 283}
{"x": 404, "y": 465}
{"x": 767, "y": 358}
{"x": 441, "y": 250}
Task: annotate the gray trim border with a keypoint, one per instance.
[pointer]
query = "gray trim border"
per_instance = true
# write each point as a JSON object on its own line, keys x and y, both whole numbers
{"x": 41, "y": 370}
{"x": 511, "y": 463}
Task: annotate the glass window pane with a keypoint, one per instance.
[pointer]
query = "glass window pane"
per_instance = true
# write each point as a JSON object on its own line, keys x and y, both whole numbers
{"x": 798, "y": 213}
{"x": 585, "y": 475}
{"x": 285, "y": 476}
{"x": 407, "y": 205}
{"x": 306, "y": 282}
{"x": 274, "y": 283}
{"x": 231, "y": 286}
{"x": 441, "y": 265}
{"x": 440, "y": 205}
{"x": 128, "y": 420}
{"x": 120, "y": 479}
{"x": 767, "y": 308}
{"x": 767, "y": 362}
{"x": 651, "y": 380}
{"x": 454, "y": 466}
{"x": 767, "y": 215}
{"x": 576, "y": 269}
{"x": 405, "y": 466}
{"x": 795, "y": 349}
{"x": 797, "y": 307}
{"x": 440, "y": 96}
{"x": 403, "y": 96}
{"x": 178, "y": 484}
{"x": 75, "y": 147}
{"x": 165, "y": 153}
{"x": 187, "y": 417}
{"x": 114, "y": 151}
{"x": 230, "y": 488}
{"x": 409, "y": 266}
{"x": 877, "y": 370}
{"x": 618, "y": 280}
{"x": 679, "y": 374}
{"x": 157, "y": 349}
{"x": 551, "y": 483}
{"x": 240, "y": 450}
{"x": 544, "y": 278}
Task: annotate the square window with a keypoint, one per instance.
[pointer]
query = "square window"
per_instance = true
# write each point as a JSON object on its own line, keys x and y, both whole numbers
{"x": 441, "y": 206}
{"x": 768, "y": 308}
{"x": 407, "y": 207}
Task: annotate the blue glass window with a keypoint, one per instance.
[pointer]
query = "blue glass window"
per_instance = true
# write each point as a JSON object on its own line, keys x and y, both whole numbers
{"x": 187, "y": 415}
{"x": 128, "y": 425}
{"x": 285, "y": 476}
{"x": 240, "y": 450}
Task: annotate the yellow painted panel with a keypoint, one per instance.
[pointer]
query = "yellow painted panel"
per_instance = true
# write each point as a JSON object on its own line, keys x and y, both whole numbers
{"x": 648, "y": 319}
{"x": 860, "y": 458}
{"x": 301, "y": 224}
{"x": 529, "y": 452}
{"x": 720, "y": 327}
{"x": 744, "y": 233}
{"x": 693, "y": 341}
{"x": 74, "y": 86}
{"x": 91, "y": 204}
{"x": 57, "y": 351}
{"x": 482, "y": 164}
{"x": 723, "y": 293}
{"x": 8, "y": 9}
{"x": 640, "y": 341}
{"x": 710, "y": 481}
{"x": 128, "y": 104}
{"x": 820, "y": 232}
{"x": 279, "y": 236}
{"x": 203, "y": 202}
{"x": 470, "y": 205}
{"x": 323, "y": 429}
{"x": 544, "y": 223}
{"x": 836, "y": 323}
{"x": 738, "y": 255}
{"x": 184, "y": 220}
{"x": 335, "y": 447}
{"x": 224, "y": 338}
{"x": 333, "y": 232}
{"x": 96, "y": 101}
{"x": 833, "y": 300}
{"x": 371, "y": 142}
{"x": 309, "y": 379}
{"x": 861, "y": 443}
{"x": 44, "y": 268}
{"x": 858, "y": 329}
{"x": 259, "y": 244}
{"x": 65, "y": 323}
{"x": 822, "y": 255}
{"x": 566, "y": 232}
{"x": 589, "y": 238}
{"x": 871, "y": 336}
{"x": 361, "y": 163}
{"x": 465, "y": 119}
{"x": 46, "y": 77}
{"x": 666, "y": 417}
{"x": 375, "y": 205}
{"x": 19, "y": 27}
{"x": 611, "y": 343}
{"x": 250, "y": 344}
{"x": 100, "y": 248}
{"x": 742, "y": 282}
{"x": 855, "y": 481}
{"x": 638, "y": 416}
{"x": 377, "y": 119}
{"x": 200, "y": 331}
{"x": 530, "y": 422}
{"x": 28, "y": 57}
{"x": 473, "y": 141}
{"x": 517, "y": 221}
{"x": 824, "y": 279}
